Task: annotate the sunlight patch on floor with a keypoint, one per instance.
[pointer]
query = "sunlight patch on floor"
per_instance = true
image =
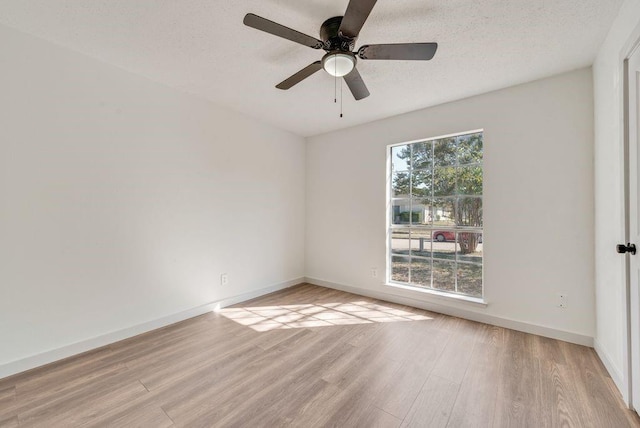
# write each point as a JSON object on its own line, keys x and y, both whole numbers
{"x": 265, "y": 318}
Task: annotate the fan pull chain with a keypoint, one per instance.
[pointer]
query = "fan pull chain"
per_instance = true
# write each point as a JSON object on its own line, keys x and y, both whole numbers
{"x": 335, "y": 83}
{"x": 341, "y": 97}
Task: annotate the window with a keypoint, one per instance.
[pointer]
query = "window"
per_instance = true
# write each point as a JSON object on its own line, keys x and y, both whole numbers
{"x": 435, "y": 214}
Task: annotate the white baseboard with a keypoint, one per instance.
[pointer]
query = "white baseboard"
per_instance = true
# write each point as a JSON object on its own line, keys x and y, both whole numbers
{"x": 47, "y": 357}
{"x": 256, "y": 293}
{"x": 566, "y": 336}
{"x": 614, "y": 372}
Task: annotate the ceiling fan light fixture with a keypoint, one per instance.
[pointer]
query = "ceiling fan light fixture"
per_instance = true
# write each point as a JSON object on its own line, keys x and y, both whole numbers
{"x": 338, "y": 37}
{"x": 338, "y": 64}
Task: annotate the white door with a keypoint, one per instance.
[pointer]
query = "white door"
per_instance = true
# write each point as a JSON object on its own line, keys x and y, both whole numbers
{"x": 634, "y": 221}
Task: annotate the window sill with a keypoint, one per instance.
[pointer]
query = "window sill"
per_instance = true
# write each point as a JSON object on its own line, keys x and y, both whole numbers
{"x": 441, "y": 295}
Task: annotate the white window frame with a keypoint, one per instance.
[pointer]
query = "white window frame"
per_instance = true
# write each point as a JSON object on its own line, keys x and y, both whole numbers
{"x": 390, "y": 227}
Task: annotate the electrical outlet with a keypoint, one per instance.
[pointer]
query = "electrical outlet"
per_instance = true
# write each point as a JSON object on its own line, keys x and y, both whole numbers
{"x": 224, "y": 279}
{"x": 562, "y": 300}
{"x": 374, "y": 272}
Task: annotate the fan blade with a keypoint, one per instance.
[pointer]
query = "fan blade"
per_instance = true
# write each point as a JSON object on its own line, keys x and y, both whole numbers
{"x": 259, "y": 23}
{"x": 406, "y": 51}
{"x": 357, "y": 13}
{"x": 300, "y": 76}
{"x": 356, "y": 85}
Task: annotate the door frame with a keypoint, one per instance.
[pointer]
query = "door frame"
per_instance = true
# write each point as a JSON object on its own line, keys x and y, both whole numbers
{"x": 632, "y": 47}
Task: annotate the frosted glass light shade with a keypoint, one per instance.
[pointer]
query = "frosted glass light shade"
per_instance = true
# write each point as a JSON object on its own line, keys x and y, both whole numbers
{"x": 338, "y": 64}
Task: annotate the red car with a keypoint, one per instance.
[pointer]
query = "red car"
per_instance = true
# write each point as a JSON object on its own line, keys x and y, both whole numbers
{"x": 448, "y": 235}
{"x": 444, "y": 235}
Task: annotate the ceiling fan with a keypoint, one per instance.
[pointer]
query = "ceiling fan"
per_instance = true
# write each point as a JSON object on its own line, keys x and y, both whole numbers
{"x": 338, "y": 36}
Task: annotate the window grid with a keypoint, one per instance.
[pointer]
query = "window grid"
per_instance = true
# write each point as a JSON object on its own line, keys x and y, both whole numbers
{"x": 462, "y": 234}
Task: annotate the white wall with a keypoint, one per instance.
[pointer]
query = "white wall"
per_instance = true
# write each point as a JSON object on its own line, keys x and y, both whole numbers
{"x": 122, "y": 200}
{"x": 538, "y": 203}
{"x": 609, "y": 191}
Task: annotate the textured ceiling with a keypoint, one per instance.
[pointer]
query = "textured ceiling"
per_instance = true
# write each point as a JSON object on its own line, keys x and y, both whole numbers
{"x": 203, "y": 48}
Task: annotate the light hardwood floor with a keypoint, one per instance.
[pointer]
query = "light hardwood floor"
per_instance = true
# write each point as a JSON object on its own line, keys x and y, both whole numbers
{"x": 309, "y": 356}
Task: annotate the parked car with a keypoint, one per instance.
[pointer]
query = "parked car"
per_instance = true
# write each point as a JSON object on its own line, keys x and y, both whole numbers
{"x": 444, "y": 235}
{"x": 448, "y": 235}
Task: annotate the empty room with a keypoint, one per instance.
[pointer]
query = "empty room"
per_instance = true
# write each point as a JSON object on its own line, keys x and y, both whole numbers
{"x": 274, "y": 213}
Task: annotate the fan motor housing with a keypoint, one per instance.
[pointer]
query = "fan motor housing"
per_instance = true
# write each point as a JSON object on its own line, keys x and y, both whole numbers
{"x": 333, "y": 40}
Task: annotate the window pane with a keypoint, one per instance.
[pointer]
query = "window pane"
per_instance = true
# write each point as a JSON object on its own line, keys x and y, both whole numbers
{"x": 444, "y": 152}
{"x": 420, "y": 216}
{"x": 421, "y": 243}
{"x": 470, "y": 148}
{"x": 444, "y": 245}
{"x": 400, "y": 185}
{"x": 443, "y": 211}
{"x": 400, "y": 269}
{"x": 444, "y": 275}
{"x": 444, "y": 181}
{"x": 400, "y": 158}
{"x": 422, "y": 155}
{"x": 429, "y": 213}
{"x": 401, "y": 211}
{"x": 470, "y": 279}
{"x": 469, "y": 248}
{"x": 421, "y": 272}
{"x": 422, "y": 183}
{"x": 400, "y": 241}
{"x": 469, "y": 180}
{"x": 469, "y": 212}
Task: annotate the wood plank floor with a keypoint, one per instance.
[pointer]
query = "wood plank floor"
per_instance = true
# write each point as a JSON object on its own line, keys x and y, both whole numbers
{"x": 312, "y": 357}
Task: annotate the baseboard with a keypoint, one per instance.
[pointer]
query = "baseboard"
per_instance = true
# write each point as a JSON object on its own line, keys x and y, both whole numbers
{"x": 614, "y": 372}
{"x": 256, "y": 293}
{"x": 48, "y": 357}
{"x": 566, "y": 336}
